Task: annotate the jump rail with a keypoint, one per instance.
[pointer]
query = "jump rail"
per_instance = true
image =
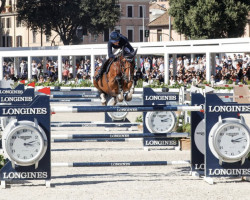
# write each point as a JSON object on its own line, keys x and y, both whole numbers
{"x": 75, "y": 100}
{"x": 90, "y": 124}
{"x": 89, "y": 140}
{"x": 80, "y": 109}
{"x": 120, "y": 135}
{"x": 120, "y": 164}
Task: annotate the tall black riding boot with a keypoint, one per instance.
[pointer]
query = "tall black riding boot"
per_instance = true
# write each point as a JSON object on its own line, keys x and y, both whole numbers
{"x": 100, "y": 73}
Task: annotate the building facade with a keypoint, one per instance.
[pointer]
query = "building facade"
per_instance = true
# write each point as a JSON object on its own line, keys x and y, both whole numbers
{"x": 133, "y": 21}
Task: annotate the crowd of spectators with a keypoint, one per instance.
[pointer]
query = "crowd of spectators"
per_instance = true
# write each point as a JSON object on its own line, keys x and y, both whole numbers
{"x": 227, "y": 70}
{"x": 149, "y": 69}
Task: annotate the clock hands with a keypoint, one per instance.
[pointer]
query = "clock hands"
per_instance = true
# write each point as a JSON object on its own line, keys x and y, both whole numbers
{"x": 29, "y": 143}
{"x": 238, "y": 139}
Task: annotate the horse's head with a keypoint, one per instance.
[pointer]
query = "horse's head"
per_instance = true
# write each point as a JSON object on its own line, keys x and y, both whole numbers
{"x": 127, "y": 61}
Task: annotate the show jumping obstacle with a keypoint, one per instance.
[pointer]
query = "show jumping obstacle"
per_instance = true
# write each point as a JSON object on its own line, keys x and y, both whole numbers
{"x": 82, "y": 109}
{"x": 42, "y": 104}
{"x": 120, "y": 164}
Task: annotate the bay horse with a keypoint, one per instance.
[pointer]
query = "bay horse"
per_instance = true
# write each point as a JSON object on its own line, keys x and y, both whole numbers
{"x": 118, "y": 80}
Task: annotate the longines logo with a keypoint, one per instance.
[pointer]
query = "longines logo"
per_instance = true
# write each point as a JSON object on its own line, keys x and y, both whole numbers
{"x": 24, "y": 111}
{"x": 11, "y": 91}
{"x": 229, "y": 172}
{"x": 232, "y": 134}
{"x": 166, "y": 98}
{"x": 22, "y": 175}
{"x": 161, "y": 142}
{"x": 15, "y": 99}
{"x": 229, "y": 109}
{"x": 200, "y": 133}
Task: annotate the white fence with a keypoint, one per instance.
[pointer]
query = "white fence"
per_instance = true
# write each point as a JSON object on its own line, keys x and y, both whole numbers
{"x": 208, "y": 47}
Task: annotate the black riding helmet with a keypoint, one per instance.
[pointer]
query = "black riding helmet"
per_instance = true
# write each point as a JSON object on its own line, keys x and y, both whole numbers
{"x": 114, "y": 37}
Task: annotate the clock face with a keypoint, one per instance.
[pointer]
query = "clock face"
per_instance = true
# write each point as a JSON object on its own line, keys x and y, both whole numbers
{"x": 160, "y": 121}
{"x": 118, "y": 115}
{"x": 24, "y": 144}
{"x": 231, "y": 141}
{"x": 199, "y": 136}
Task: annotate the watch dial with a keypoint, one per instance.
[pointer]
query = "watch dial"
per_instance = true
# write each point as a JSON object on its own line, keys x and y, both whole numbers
{"x": 162, "y": 122}
{"x": 25, "y": 145}
{"x": 232, "y": 141}
{"x": 118, "y": 115}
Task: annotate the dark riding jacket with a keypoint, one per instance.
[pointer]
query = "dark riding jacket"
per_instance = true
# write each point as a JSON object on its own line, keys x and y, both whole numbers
{"x": 122, "y": 43}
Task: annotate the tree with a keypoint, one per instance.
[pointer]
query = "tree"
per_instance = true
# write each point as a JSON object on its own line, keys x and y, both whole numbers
{"x": 209, "y": 19}
{"x": 66, "y": 17}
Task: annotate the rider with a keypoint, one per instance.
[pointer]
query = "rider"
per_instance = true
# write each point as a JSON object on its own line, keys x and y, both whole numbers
{"x": 117, "y": 41}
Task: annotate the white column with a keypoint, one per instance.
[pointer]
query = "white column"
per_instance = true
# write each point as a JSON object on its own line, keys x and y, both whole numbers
{"x": 59, "y": 58}
{"x": 213, "y": 63}
{"x": 1, "y": 68}
{"x": 92, "y": 61}
{"x": 73, "y": 58}
{"x": 166, "y": 66}
{"x": 174, "y": 65}
{"x": 208, "y": 65}
{"x": 16, "y": 66}
{"x": 44, "y": 65}
{"x": 29, "y": 68}
{"x": 192, "y": 58}
{"x": 138, "y": 61}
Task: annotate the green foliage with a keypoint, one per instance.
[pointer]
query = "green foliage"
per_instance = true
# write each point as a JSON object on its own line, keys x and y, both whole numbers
{"x": 139, "y": 84}
{"x": 66, "y": 17}
{"x": 185, "y": 128}
{"x": 2, "y": 161}
{"x": 83, "y": 83}
{"x": 209, "y": 19}
{"x": 139, "y": 119}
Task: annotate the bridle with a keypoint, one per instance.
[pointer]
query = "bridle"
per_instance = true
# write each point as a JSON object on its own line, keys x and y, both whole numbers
{"x": 126, "y": 64}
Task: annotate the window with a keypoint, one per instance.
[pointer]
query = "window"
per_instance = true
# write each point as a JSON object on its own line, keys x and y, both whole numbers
{"x": 8, "y": 23}
{"x": 34, "y": 36}
{"x": 130, "y": 35}
{"x": 159, "y": 35}
{"x": 18, "y": 23}
{"x": 141, "y": 11}
{"x": 3, "y": 23}
{"x": 19, "y": 42}
{"x": 9, "y": 41}
{"x": 10, "y": 2}
{"x": 130, "y": 11}
{"x": 47, "y": 38}
{"x": 106, "y": 35}
{"x": 3, "y": 41}
{"x": 141, "y": 35}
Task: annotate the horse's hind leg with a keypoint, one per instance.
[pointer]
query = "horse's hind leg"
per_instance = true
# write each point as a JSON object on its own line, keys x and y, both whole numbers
{"x": 103, "y": 99}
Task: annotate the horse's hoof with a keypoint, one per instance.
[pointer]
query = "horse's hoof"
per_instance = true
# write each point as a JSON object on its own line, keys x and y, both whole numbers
{"x": 112, "y": 102}
{"x": 104, "y": 103}
{"x": 120, "y": 98}
{"x": 128, "y": 97}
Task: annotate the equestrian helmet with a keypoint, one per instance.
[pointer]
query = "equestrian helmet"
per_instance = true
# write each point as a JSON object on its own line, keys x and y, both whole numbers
{"x": 114, "y": 37}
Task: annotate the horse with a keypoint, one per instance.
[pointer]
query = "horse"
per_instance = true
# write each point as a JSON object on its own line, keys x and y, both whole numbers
{"x": 118, "y": 80}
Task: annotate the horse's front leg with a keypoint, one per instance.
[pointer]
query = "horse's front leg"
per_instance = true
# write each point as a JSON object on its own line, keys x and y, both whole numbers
{"x": 120, "y": 91}
{"x": 129, "y": 95}
{"x": 103, "y": 99}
